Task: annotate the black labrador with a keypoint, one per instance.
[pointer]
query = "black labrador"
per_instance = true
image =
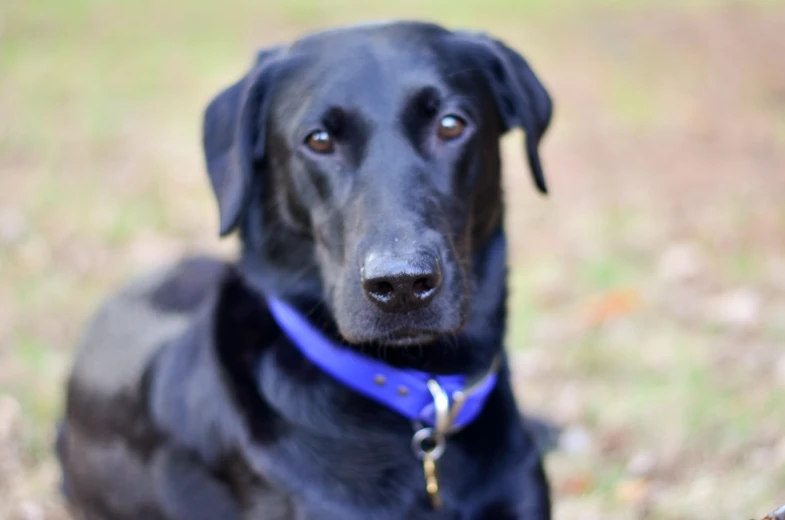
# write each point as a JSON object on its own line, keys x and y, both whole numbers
{"x": 361, "y": 167}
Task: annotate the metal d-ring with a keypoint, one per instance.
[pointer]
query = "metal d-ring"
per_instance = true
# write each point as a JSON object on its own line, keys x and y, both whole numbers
{"x": 444, "y": 424}
{"x": 435, "y": 435}
{"x": 428, "y": 434}
{"x": 441, "y": 405}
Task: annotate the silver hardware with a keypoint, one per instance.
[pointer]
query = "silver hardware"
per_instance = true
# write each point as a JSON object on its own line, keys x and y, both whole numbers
{"x": 444, "y": 424}
{"x": 441, "y": 404}
{"x": 427, "y": 434}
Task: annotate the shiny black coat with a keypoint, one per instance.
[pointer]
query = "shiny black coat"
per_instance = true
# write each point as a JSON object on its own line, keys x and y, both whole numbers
{"x": 187, "y": 402}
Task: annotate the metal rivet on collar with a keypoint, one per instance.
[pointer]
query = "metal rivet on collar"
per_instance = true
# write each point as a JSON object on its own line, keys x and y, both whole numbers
{"x": 380, "y": 379}
{"x": 402, "y": 390}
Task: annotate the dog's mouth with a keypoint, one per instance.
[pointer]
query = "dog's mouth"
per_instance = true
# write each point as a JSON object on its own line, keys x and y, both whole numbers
{"x": 405, "y": 338}
{"x": 396, "y": 338}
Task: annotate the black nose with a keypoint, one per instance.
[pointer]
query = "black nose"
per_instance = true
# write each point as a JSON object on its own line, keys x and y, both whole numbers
{"x": 398, "y": 284}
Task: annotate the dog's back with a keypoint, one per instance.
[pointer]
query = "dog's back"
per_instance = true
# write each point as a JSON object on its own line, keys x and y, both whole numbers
{"x": 107, "y": 437}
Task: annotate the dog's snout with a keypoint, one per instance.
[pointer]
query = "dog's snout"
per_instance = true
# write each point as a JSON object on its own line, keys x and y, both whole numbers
{"x": 397, "y": 284}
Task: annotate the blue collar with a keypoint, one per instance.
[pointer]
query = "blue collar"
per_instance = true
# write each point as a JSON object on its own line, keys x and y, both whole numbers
{"x": 413, "y": 394}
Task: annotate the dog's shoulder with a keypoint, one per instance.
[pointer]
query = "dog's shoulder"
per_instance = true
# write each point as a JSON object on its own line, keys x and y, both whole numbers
{"x": 110, "y": 437}
{"x": 188, "y": 284}
{"x": 128, "y": 328}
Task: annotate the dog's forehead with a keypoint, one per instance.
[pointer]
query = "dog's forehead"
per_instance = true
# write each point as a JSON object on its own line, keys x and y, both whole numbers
{"x": 370, "y": 66}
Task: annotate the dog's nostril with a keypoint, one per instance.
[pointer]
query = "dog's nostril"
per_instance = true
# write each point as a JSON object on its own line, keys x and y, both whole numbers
{"x": 422, "y": 286}
{"x": 382, "y": 289}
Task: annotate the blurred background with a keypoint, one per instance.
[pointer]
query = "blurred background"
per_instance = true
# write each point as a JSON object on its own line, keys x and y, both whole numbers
{"x": 648, "y": 291}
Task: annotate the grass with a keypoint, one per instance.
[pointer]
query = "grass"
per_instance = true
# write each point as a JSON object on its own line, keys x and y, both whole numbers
{"x": 668, "y": 132}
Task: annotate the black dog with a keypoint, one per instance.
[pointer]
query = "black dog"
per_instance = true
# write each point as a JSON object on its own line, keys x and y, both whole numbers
{"x": 362, "y": 169}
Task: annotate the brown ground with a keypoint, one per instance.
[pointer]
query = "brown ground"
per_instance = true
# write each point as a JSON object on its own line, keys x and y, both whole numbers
{"x": 648, "y": 289}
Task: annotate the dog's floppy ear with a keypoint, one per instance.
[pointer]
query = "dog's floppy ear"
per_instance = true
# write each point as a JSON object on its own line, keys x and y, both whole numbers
{"x": 520, "y": 97}
{"x": 233, "y": 137}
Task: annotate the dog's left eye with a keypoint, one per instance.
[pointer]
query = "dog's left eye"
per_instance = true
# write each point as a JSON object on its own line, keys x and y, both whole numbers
{"x": 451, "y": 127}
{"x": 320, "y": 141}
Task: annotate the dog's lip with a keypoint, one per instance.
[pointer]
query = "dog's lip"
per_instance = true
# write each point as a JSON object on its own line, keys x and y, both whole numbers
{"x": 398, "y": 338}
{"x": 408, "y": 339}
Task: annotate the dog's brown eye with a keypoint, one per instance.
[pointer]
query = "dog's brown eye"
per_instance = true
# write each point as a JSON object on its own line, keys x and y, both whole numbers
{"x": 319, "y": 141}
{"x": 451, "y": 127}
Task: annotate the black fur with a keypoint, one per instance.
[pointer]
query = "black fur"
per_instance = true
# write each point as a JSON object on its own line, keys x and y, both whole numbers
{"x": 187, "y": 402}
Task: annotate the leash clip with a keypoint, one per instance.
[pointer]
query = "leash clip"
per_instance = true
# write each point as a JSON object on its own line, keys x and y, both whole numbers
{"x": 428, "y": 443}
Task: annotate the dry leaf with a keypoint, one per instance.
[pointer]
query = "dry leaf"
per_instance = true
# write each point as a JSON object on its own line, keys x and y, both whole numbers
{"x": 613, "y": 304}
{"x": 577, "y": 485}
{"x": 632, "y": 491}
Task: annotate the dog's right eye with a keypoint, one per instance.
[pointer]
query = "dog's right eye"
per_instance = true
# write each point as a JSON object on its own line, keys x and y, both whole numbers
{"x": 319, "y": 141}
{"x": 451, "y": 127}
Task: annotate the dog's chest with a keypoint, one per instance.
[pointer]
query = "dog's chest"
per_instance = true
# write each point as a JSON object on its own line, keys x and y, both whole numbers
{"x": 310, "y": 478}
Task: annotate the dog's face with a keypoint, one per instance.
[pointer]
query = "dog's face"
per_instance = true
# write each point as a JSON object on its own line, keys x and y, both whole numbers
{"x": 377, "y": 148}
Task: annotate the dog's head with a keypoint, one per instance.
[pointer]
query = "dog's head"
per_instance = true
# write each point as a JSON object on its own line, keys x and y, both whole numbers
{"x": 366, "y": 160}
